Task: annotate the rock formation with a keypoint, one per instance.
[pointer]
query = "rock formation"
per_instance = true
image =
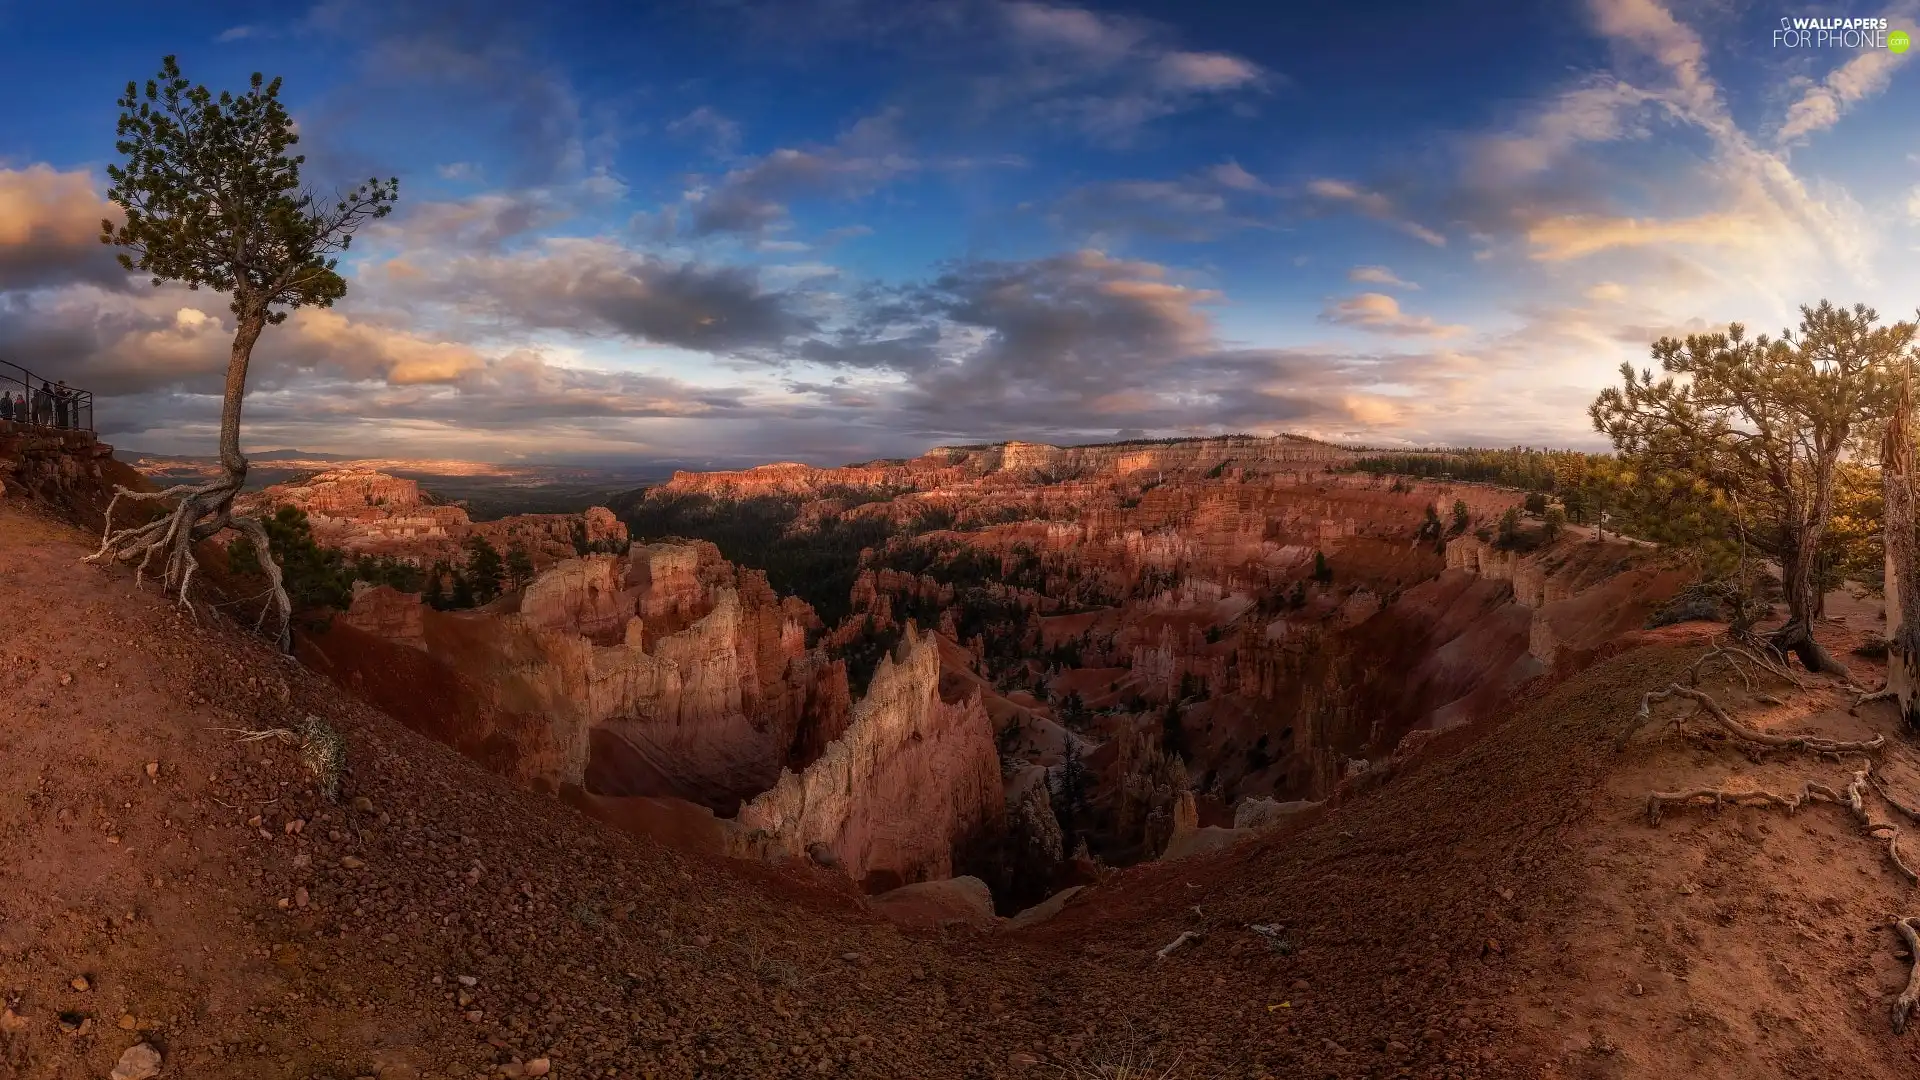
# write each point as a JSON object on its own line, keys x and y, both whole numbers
{"x": 562, "y": 685}
{"x": 366, "y": 512}
{"x": 912, "y": 780}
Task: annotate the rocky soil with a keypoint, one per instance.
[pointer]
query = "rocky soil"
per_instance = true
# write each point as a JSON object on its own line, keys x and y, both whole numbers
{"x": 167, "y": 882}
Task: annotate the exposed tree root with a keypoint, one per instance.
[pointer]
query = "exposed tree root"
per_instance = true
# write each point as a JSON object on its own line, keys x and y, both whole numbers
{"x": 1868, "y": 699}
{"x": 1657, "y": 801}
{"x": 1853, "y": 797}
{"x": 1911, "y": 812}
{"x": 1739, "y": 731}
{"x": 1732, "y": 654}
{"x": 1909, "y": 999}
{"x": 1185, "y": 936}
{"x": 202, "y": 511}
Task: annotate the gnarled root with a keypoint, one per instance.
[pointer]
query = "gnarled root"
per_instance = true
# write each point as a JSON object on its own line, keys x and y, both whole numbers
{"x": 1732, "y": 654}
{"x": 1909, "y": 999}
{"x": 1910, "y": 811}
{"x": 1868, "y": 699}
{"x": 202, "y": 511}
{"x": 1657, "y": 801}
{"x": 1853, "y": 797}
{"x": 1740, "y": 732}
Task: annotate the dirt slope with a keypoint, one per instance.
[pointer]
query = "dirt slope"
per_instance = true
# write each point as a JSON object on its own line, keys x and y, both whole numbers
{"x": 1423, "y": 923}
{"x": 589, "y": 948}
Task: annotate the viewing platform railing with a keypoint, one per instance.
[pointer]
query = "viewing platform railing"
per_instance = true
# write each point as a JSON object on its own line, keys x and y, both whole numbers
{"x": 68, "y": 408}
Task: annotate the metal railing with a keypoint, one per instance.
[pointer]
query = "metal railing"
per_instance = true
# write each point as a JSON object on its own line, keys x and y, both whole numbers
{"x": 42, "y": 402}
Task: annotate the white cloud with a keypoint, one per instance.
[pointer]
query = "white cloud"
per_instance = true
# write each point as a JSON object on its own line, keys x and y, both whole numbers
{"x": 1378, "y": 275}
{"x": 1347, "y": 195}
{"x": 1381, "y": 314}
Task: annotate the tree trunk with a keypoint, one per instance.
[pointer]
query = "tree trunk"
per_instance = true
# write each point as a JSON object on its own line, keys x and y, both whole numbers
{"x": 251, "y": 323}
{"x": 1798, "y": 566}
{"x": 1903, "y": 560}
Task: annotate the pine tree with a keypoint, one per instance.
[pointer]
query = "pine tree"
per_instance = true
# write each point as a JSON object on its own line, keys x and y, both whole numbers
{"x": 484, "y": 569}
{"x": 210, "y": 198}
{"x": 462, "y": 592}
{"x": 1071, "y": 784}
{"x": 519, "y": 566}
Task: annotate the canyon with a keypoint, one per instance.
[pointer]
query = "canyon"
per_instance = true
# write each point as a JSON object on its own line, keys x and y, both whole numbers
{"x": 1048, "y": 659}
{"x": 363, "y": 511}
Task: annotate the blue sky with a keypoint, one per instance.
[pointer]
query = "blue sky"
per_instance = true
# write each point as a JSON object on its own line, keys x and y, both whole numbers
{"x": 827, "y": 230}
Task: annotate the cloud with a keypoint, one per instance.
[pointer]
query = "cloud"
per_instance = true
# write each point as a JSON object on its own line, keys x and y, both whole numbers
{"x": 597, "y": 286}
{"x": 237, "y": 33}
{"x": 1343, "y": 194}
{"x": 1821, "y": 106}
{"x": 1378, "y": 275}
{"x": 753, "y": 198}
{"x": 1081, "y": 344}
{"x": 1601, "y": 109}
{"x": 420, "y": 62}
{"x": 1381, "y": 314}
{"x": 459, "y": 171}
{"x": 1576, "y": 237}
{"x": 722, "y": 135}
{"x": 1230, "y": 174}
{"x": 50, "y": 229}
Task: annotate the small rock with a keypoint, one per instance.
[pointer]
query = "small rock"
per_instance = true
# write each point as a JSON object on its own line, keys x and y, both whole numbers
{"x": 1638, "y": 990}
{"x": 140, "y": 1062}
{"x": 301, "y": 898}
{"x": 850, "y": 957}
{"x": 254, "y": 821}
{"x": 512, "y": 1070}
{"x": 302, "y": 861}
{"x": 66, "y": 677}
{"x": 351, "y": 862}
{"x": 1022, "y": 1060}
{"x": 153, "y": 770}
{"x": 1396, "y": 1047}
{"x": 1506, "y": 894}
{"x": 539, "y": 1067}
{"x": 11, "y": 1022}
{"x": 295, "y": 826}
{"x": 363, "y": 804}
{"x": 464, "y": 998}
{"x": 80, "y": 983}
{"x": 474, "y": 1016}
{"x": 128, "y": 1023}
{"x": 467, "y": 980}
{"x": 1301, "y": 984}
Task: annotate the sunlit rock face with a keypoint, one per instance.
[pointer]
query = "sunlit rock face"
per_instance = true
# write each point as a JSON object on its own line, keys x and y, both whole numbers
{"x": 911, "y": 780}
{"x": 366, "y": 512}
{"x": 663, "y": 673}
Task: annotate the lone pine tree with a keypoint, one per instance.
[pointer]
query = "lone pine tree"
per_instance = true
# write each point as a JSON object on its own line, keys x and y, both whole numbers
{"x": 211, "y": 199}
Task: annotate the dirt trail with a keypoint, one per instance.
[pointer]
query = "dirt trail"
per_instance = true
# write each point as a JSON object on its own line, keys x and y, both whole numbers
{"x": 1420, "y": 926}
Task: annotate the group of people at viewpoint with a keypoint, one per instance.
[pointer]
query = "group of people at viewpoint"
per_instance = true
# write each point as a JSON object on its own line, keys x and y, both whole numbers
{"x": 53, "y": 405}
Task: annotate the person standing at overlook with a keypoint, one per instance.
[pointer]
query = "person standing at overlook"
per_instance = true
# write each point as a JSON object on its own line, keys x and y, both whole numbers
{"x": 43, "y": 404}
{"x": 63, "y": 405}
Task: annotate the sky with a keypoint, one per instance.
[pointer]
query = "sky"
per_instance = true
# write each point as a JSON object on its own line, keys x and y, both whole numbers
{"x": 734, "y": 232}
